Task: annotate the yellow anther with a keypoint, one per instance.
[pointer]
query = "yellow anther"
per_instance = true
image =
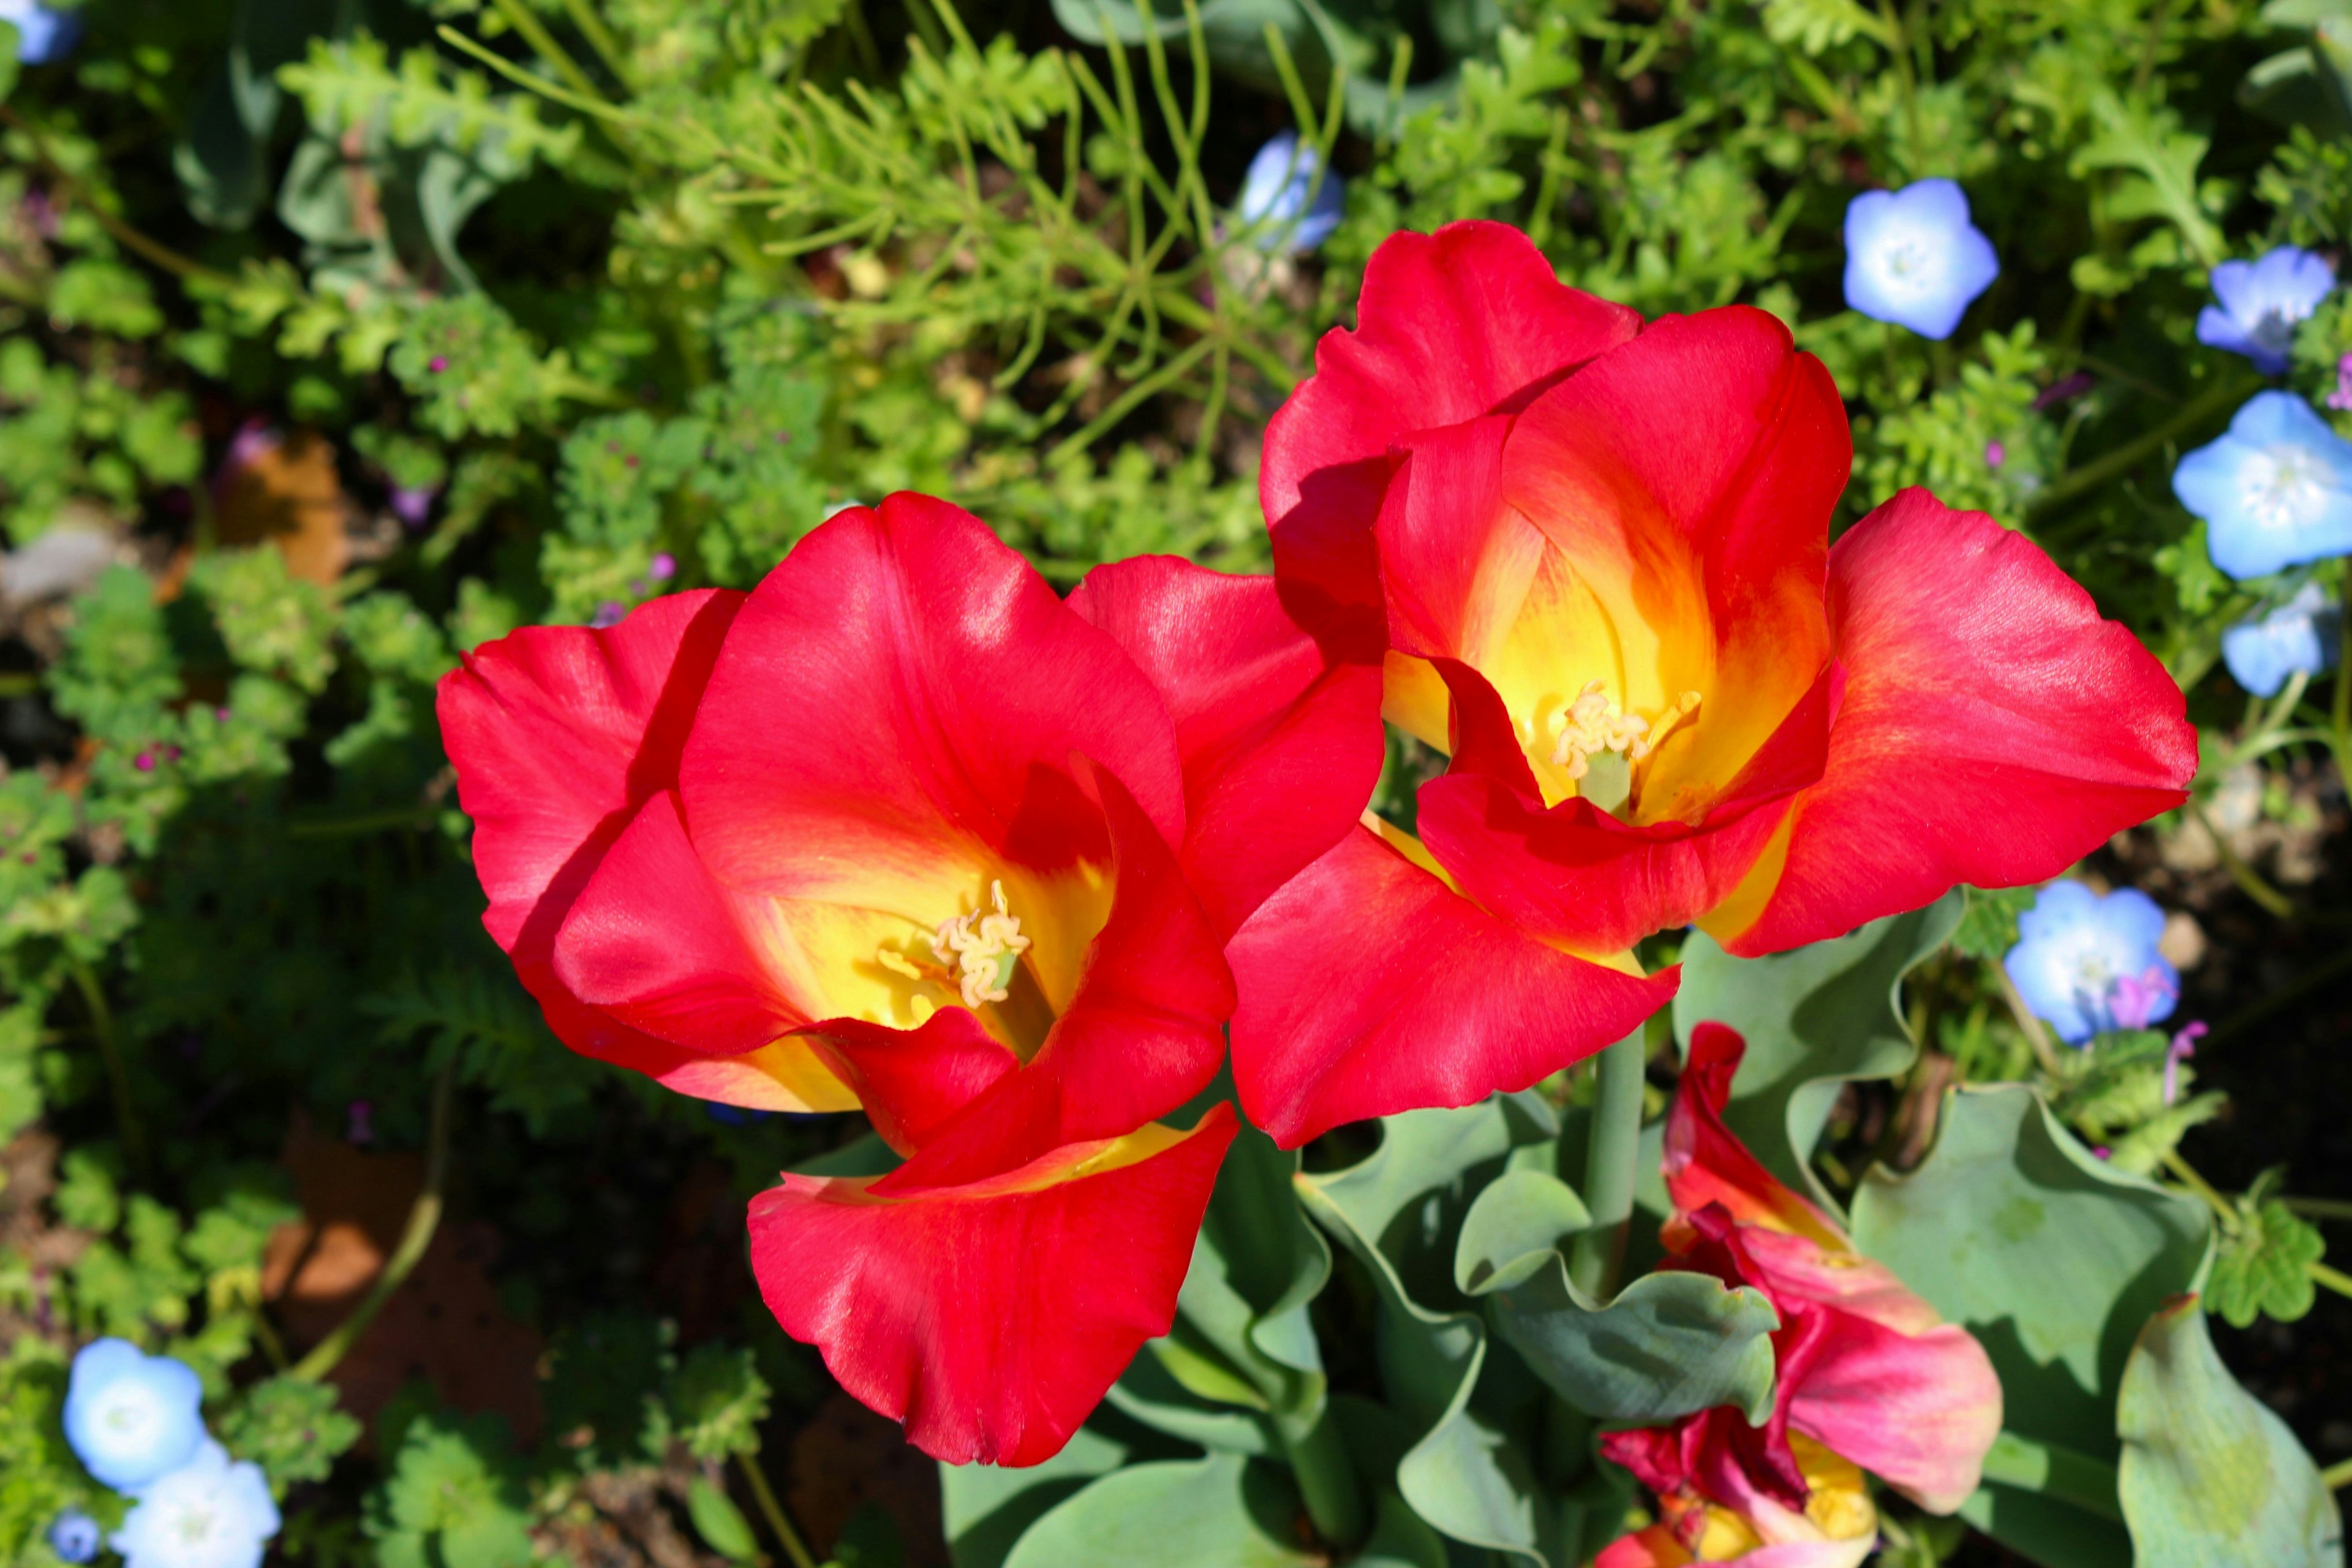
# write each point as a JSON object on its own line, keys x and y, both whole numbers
{"x": 1590, "y": 723}
{"x": 982, "y": 949}
{"x": 898, "y": 963}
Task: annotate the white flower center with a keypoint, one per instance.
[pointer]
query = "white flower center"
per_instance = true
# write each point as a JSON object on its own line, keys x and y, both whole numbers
{"x": 1592, "y": 723}
{"x": 2283, "y": 486}
{"x": 130, "y": 1416}
{"x": 976, "y": 953}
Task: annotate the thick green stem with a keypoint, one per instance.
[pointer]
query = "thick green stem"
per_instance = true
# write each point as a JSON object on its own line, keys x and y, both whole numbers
{"x": 424, "y": 1219}
{"x": 118, "y": 1078}
{"x": 1327, "y": 1481}
{"x": 2054, "y": 1472}
{"x": 1611, "y": 1163}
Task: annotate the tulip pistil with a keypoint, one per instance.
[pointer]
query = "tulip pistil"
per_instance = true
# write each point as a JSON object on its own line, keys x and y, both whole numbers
{"x": 1591, "y": 723}
{"x": 977, "y": 953}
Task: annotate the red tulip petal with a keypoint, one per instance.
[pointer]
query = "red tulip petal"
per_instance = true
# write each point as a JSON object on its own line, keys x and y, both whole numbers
{"x": 895, "y": 712}
{"x": 991, "y": 1319}
{"x": 654, "y": 940}
{"x": 1575, "y": 876}
{"x": 559, "y": 734}
{"x": 1706, "y": 1163}
{"x": 1919, "y": 1411}
{"x": 912, "y": 1082}
{"x": 1654, "y": 1547}
{"x": 1980, "y": 685}
{"x": 1144, "y": 1034}
{"x": 1466, "y": 322}
{"x": 1451, "y": 325}
{"x": 1280, "y": 748}
{"x": 1369, "y": 986}
{"x": 1689, "y": 478}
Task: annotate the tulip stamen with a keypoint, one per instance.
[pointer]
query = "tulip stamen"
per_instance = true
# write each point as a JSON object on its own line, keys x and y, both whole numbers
{"x": 1590, "y": 723}
{"x": 981, "y": 949}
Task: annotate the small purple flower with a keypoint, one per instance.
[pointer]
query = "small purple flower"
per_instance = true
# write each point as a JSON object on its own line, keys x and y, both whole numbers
{"x": 2065, "y": 389}
{"x": 663, "y": 568}
{"x": 2340, "y": 399}
{"x": 440, "y": 362}
{"x": 2138, "y": 1000}
{"x": 2184, "y": 1045}
{"x": 414, "y": 503}
{"x": 2260, "y": 303}
{"x": 144, "y": 762}
{"x": 75, "y": 1536}
{"x": 608, "y": 614}
{"x": 1995, "y": 453}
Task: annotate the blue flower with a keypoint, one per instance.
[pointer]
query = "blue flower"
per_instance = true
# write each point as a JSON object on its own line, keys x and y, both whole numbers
{"x": 130, "y": 1419}
{"x": 74, "y": 1536}
{"x": 2299, "y": 637}
{"x": 1275, "y": 211}
{"x": 42, "y": 35}
{"x": 1913, "y": 257}
{"x": 2083, "y": 963}
{"x": 211, "y": 1512}
{"x": 2260, "y": 301}
{"x": 2274, "y": 491}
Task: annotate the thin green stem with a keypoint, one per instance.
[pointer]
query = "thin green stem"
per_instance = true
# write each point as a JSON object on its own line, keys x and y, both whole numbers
{"x": 181, "y": 267}
{"x": 2339, "y": 712}
{"x": 2053, "y": 1471}
{"x": 2132, "y": 453}
{"x": 543, "y": 43}
{"x": 2320, "y": 1208}
{"x": 2189, "y": 1178}
{"x": 110, "y": 1047}
{"x": 2336, "y": 1279}
{"x": 1327, "y": 1481}
{"x": 600, "y": 39}
{"x": 778, "y": 1520}
{"x": 1612, "y": 1164}
{"x": 424, "y": 1219}
{"x": 2337, "y": 1476}
{"x": 2250, "y": 881}
{"x": 2028, "y": 1024}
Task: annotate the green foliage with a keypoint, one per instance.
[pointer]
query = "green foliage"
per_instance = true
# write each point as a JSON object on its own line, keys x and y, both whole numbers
{"x": 2262, "y": 1267}
{"x": 291, "y": 1429}
{"x": 2210, "y": 1473}
{"x": 456, "y": 1497}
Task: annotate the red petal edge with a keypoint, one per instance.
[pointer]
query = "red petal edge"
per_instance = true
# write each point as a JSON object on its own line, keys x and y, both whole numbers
{"x": 1981, "y": 685}
{"x": 988, "y": 1318}
{"x": 1369, "y": 987}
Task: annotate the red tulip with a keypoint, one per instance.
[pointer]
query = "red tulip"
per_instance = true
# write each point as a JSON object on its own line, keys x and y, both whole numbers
{"x": 1594, "y": 561}
{"x": 1868, "y": 1376}
{"x": 899, "y": 830}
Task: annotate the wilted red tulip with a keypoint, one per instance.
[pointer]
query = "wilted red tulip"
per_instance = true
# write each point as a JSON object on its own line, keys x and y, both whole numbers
{"x": 1594, "y": 558}
{"x": 1868, "y": 1377}
{"x": 900, "y": 830}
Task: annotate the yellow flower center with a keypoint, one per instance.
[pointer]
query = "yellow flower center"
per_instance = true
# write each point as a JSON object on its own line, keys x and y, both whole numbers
{"x": 1592, "y": 723}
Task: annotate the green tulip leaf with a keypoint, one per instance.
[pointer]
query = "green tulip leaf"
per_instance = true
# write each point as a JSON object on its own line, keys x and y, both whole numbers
{"x": 2210, "y": 1478}
{"x": 2053, "y": 1261}
{"x": 1225, "y": 1510}
{"x": 1670, "y": 1344}
{"x": 1816, "y": 1018}
{"x": 986, "y": 1509}
{"x": 1242, "y": 1309}
{"x": 1195, "y": 1402}
{"x": 1402, "y": 1207}
{"x": 1512, "y": 1227}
